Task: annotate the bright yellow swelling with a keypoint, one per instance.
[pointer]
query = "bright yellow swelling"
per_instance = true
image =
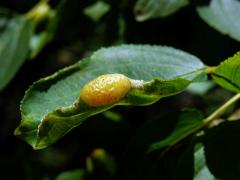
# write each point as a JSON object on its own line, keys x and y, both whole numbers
{"x": 105, "y": 89}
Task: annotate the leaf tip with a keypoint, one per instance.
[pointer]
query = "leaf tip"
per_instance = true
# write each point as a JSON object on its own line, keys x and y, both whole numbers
{"x": 17, "y": 132}
{"x": 141, "y": 17}
{"x": 39, "y": 145}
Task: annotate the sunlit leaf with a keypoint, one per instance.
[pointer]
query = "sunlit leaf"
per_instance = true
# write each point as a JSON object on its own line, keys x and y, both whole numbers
{"x": 227, "y": 73}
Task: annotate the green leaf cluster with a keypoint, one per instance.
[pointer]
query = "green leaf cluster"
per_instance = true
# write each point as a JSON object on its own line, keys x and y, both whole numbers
{"x": 222, "y": 15}
{"x": 21, "y": 39}
{"x": 174, "y": 144}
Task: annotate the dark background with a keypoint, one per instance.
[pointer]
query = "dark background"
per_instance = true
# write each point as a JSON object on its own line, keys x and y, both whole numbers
{"x": 76, "y": 37}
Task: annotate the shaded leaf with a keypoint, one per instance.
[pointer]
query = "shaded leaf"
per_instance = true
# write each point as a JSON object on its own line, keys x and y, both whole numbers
{"x": 227, "y": 73}
{"x": 185, "y": 164}
{"x": 41, "y": 39}
{"x": 200, "y": 167}
{"x": 148, "y": 9}
{"x": 187, "y": 124}
{"x": 222, "y": 15}
{"x": 97, "y": 10}
{"x": 14, "y": 47}
{"x": 138, "y": 164}
{"x": 113, "y": 116}
{"x": 176, "y": 163}
{"x": 78, "y": 174}
{"x": 5, "y": 17}
{"x": 51, "y": 107}
{"x": 100, "y": 165}
{"x": 222, "y": 149}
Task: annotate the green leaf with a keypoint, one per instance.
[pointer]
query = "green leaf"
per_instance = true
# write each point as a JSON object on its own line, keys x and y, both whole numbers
{"x": 100, "y": 164}
{"x": 200, "y": 88}
{"x": 5, "y": 17}
{"x": 227, "y": 73}
{"x": 51, "y": 107}
{"x": 136, "y": 163}
{"x": 222, "y": 15}
{"x": 97, "y": 10}
{"x": 14, "y": 47}
{"x": 113, "y": 116}
{"x": 41, "y": 39}
{"x": 148, "y": 9}
{"x": 222, "y": 150}
{"x": 200, "y": 167}
{"x": 78, "y": 174}
{"x": 188, "y": 122}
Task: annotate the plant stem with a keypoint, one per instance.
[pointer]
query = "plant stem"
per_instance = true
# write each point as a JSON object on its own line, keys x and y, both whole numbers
{"x": 39, "y": 12}
{"x": 32, "y": 11}
{"x": 216, "y": 114}
{"x": 210, "y": 69}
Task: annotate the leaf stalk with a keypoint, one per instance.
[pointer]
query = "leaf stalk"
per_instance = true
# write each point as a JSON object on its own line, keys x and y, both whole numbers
{"x": 217, "y": 113}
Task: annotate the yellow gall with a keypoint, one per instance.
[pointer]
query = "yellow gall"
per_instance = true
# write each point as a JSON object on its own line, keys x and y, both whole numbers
{"x": 105, "y": 89}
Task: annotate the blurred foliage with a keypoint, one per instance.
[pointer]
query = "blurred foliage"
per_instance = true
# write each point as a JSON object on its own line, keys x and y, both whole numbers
{"x": 114, "y": 145}
{"x": 147, "y": 9}
{"x": 215, "y": 12}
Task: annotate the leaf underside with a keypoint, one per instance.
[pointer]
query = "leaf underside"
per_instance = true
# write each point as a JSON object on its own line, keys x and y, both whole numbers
{"x": 201, "y": 171}
{"x": 222, "y": 15}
